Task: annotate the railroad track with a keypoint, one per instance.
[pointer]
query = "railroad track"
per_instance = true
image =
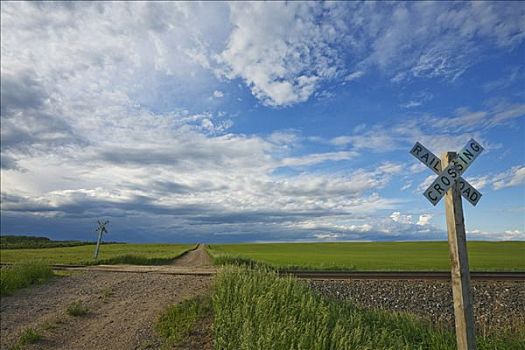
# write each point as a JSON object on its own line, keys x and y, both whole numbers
{"x": 303, "y": 274}
{"x": 405, "y": 275}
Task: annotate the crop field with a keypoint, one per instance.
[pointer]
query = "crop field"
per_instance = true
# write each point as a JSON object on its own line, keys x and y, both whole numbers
{"x": 374, "y": 256}
{"x": 109, "y": 253}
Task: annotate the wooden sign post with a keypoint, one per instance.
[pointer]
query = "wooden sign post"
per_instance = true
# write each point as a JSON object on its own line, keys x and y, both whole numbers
{"x": 460, "y": 275}
{"x": 450, "y": 184}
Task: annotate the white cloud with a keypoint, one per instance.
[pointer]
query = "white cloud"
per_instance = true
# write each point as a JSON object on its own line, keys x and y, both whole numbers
{"x": 207, "y": 124}
{"x": 317, "y": 158}
{"x": 437, "y": 133}
{"x": 354, "y": 75}
{"x": 102, "y": 112}
{"x": 326, "y": 236}
{"x": 406, "y": 186}
{"x": 390, "y": 168}
{"x": 411, "y": 104}
{"x": 284, "y": 138}
{"x": 511, "y": 178}
{"x": 424, "y": 219}
{"x": 281, "y": 50}
{"x": 515, "y": 75}
{"x": 506, "y": 235}
{"x": 417, "y": 168}
{"x": 401, "y": 218}
{"x": 174, "y": 170}
{"x": 397, "y": 226}
{"x": 427, "y": 182}
{"x": 373, "y": 138}
{"x": 434, "y": 39}
{"x": 478, "y": 182}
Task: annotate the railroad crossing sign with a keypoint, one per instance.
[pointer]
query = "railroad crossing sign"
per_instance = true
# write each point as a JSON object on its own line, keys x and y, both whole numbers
{"x": 452, "y": 172}
{"x": 450, "y": 184}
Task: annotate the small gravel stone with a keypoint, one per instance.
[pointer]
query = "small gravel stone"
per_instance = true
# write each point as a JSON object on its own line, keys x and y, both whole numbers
{"x": 497, "y": 304}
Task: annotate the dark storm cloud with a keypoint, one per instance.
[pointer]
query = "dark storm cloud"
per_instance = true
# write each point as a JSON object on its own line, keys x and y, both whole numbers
{"x": 184, "y": 152}
{"x": 138, "y": 156}
{"x": 81, "y": 205}
{"x": 9, "y": 163}
{"x": 30, "y": 130}
{"x": 27, "y": 124}
{"x": 20, "y": 92}
{"x": 173, "y": 187}
{"x": 261, "y": 216}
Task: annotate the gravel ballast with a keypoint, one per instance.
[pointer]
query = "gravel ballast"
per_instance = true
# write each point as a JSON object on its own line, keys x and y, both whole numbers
{"x": 497, "y": 304}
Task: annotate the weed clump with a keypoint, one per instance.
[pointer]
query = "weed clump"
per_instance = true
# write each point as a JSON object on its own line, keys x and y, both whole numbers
{"x": 77, "y": 308}
{"x": 177, "y": 321}
{"x": 29, "y": 336}
{"x": 15, "y": 277}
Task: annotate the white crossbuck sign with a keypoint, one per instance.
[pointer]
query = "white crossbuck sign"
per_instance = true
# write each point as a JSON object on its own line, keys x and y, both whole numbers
{"x": 452, "y": 173}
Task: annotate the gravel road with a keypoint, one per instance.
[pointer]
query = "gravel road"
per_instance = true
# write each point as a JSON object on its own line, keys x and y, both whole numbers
{"x": 198, "y": 257}
{"x": 123, "y": 308}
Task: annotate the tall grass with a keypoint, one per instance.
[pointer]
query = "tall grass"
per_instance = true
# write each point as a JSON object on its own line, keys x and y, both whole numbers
{"x": 257, "y": 309}
{"x": 135, "y": 259}
{"x": 239, "y": 260}
{"x": 15, "y": 277}
{"x": 222, "y": 259}
{"x": 177, "y": 321}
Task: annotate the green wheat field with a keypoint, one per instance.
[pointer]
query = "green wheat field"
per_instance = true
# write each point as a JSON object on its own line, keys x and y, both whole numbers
{"x": 109, "y": 253}
{"x": 375, "y": 256}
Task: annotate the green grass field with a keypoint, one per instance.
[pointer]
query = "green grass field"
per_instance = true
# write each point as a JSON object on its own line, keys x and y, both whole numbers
{"x": 110, "y": 253}
{"x": 380, "y": 256}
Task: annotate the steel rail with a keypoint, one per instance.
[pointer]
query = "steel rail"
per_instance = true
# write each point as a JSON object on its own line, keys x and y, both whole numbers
{"x": 303, "y": 274}
{"x": 403, "y": 275}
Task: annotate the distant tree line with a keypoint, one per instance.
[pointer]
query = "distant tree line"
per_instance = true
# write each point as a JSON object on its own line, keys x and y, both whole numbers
{"x": 19, "y": 242}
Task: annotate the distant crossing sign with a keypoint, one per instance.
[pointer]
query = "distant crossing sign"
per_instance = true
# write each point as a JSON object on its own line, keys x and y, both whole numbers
{"x": 452, "y": 173}
{"x": 450, "y": 184}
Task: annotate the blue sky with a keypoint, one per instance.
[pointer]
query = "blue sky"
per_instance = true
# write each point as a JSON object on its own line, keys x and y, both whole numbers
{"x": 230, "y": 122}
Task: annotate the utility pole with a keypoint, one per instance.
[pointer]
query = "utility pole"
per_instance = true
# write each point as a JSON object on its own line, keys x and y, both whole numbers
{"x": 101, "y": 230}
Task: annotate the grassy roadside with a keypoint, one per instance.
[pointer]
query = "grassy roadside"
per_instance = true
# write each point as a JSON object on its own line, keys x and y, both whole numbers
{"x": 20, "y": 276}
{"x": 370, "y": 256}
{"x": 257, "y": 309}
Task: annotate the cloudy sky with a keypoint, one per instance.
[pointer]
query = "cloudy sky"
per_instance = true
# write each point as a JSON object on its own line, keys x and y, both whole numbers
{"x": 229, "y": 122}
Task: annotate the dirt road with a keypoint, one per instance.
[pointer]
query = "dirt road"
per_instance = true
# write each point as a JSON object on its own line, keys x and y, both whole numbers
{"x": 195, "y": 258}
{"x": 123, "y": 307}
